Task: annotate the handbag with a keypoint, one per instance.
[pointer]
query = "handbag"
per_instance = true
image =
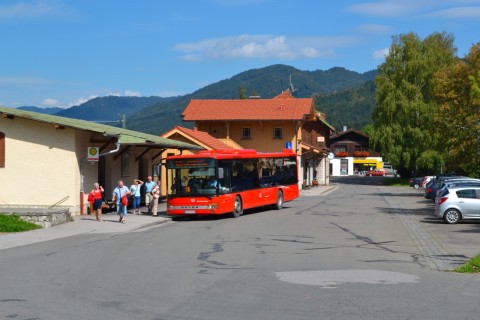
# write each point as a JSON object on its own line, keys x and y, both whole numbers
{"x": 124, "y": 201}
{"x": 90, "y": 198}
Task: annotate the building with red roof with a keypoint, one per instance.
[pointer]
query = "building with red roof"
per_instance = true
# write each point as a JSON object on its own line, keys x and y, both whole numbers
{"x": 268, "y": 125}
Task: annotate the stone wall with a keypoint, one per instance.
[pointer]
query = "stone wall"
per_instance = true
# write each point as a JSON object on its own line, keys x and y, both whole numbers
{"x": 42, "y": 217}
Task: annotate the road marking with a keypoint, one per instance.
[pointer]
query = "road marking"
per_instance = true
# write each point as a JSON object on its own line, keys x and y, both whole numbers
{"x": 330, "y": 279}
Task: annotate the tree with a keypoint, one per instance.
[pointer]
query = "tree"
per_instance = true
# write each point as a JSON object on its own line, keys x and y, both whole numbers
{"x": 458, "y": 95}
{"x": 367, "y": 129}
{"x": 405, "y": 99}
{"x": 242, "y": 92}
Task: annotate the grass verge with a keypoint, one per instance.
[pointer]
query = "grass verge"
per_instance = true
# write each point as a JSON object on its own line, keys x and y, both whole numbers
{"x": 397, "y": 182}
{"x": 472, "y": 266}
{"x": 13, "y": 223}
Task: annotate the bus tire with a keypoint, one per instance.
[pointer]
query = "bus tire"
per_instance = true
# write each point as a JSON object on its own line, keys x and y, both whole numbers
{"x": 237, "y": 207}
{"x": 279, "y": 204}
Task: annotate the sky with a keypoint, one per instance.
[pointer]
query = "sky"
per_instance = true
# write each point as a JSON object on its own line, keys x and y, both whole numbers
{"x": 65, "y": 52}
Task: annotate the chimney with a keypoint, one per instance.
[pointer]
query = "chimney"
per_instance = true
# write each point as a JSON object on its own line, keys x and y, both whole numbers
{"x": 195, "y": 129}
{"x": 344, "y": 128}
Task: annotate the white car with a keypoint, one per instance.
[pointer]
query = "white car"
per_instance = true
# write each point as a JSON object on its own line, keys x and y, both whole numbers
{"x": 457, "y": 203}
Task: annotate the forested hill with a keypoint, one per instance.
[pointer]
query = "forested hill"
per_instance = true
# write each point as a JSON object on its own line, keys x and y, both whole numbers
{"x": 52, "y": 110}
{"x": 110, "y": 108}
{"x": 266, "y": 82}
{"x": 351, "y": 107}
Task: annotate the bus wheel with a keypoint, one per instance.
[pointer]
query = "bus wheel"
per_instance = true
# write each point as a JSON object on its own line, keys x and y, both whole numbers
{"x": 279, "y": 204}
{"x": 237, "y": 207}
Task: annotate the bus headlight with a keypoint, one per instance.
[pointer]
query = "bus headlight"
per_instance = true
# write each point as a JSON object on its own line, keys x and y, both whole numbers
{"x": 212, "y": 206}
{"x": 171, "y": 207}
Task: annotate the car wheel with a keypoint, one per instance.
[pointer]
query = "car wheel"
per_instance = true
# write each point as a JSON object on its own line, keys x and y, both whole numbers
{"x": 452, "y": 216}
{"x": 279, "y": 204}
{"x": 237, "y": 207}
{"x": 416, "y": 186}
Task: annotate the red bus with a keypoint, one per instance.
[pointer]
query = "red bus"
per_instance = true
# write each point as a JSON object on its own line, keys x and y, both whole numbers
{"x": 229, "y": 181}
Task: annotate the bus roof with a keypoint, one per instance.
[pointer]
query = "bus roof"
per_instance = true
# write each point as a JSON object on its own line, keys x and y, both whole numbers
{"x": 234, "y": 154}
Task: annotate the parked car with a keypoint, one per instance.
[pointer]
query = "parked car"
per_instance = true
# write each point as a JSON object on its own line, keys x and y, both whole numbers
{"x": 426, "y": 180}
{"x": 388, "y": 169}
{"x": 458, "y": 203}
{"x": 376, "y": 172}
{"x": 450, "y": 183}
{"x": 435, "y": 184}
{"x": 415, "y": 182}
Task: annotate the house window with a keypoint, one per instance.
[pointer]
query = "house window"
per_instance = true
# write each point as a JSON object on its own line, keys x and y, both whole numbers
{"x": 246, "y": 133}
{"x": 359, "y": 147}
{"x": 340, "y": 148}
{"x": 2, "y": 150}
{"x": 277, "y": 133}
{"x": 126, "y": 164}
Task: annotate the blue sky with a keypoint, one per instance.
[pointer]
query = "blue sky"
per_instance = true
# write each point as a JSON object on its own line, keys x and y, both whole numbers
{"x": 64, "y": 52}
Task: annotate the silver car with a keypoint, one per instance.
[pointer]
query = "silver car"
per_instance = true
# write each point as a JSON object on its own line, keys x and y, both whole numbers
{"x": 457, "y": 183}
{"x": 457, "y": 203}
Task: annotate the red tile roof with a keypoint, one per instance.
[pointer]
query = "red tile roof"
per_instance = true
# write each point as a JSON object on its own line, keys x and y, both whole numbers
{"x": 282, "y": 107}
{"x": 202, "y": 137}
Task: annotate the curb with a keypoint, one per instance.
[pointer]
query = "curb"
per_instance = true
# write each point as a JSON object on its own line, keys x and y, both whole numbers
{"x": 151, "y": 224}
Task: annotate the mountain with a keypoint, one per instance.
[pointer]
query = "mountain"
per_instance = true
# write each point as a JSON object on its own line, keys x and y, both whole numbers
{"x": 110, "y": 108}
{"x": 52, "y": 110}
{"x": 266, "y": 82}
{"x": 351, "y": 107}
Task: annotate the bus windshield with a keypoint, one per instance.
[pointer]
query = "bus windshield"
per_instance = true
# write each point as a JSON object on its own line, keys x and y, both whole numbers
{"x": 186, "y": 177}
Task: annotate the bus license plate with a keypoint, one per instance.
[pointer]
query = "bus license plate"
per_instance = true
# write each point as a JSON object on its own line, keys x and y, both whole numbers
{"x": 189, "y": 211}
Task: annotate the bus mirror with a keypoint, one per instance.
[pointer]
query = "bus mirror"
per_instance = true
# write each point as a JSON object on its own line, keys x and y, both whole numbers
{"x": 220, "y": 173}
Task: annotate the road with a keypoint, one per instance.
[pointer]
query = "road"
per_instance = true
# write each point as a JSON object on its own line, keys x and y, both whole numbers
{"x": 348, "y": 254}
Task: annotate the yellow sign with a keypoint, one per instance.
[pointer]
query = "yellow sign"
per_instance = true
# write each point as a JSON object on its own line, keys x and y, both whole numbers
{"x": 92, "y": 154}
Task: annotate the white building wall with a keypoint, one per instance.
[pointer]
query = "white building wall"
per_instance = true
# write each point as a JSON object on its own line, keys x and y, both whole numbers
{"x": 336, "y": 166}
{"x": 40, "y": 165}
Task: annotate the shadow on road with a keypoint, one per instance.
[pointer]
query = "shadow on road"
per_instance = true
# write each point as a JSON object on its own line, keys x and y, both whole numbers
{"x": 358, "y": 180}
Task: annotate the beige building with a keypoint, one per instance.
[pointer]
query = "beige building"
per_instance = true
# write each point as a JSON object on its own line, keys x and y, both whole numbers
{"x": 43, "y": 159}
{"x": 270, "y": 125}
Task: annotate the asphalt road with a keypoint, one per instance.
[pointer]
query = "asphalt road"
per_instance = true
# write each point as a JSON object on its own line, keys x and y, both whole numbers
{"x": 344, "y": 255}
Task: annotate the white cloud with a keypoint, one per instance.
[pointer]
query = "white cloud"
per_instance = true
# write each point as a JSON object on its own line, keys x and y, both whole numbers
{"x": 79, "y": 101}
{"x": 262, "y": 47}
{"x": 447, "y": 9}
{"x": 456, "y": 13}
{"x": 30, "y": 10}
{"x": 386, "y": 8}
{"x": 126, "y": 93}
{"x": 381, "y": 54}
{"x": 375, "y": 29}
{"x": 49, "y": 102}
{"x": 130, "y": 93}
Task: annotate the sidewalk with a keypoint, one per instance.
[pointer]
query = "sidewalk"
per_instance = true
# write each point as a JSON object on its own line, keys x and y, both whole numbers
{"x": 87, "y": 224}
{"x": 83, "y": 225}
{"x": 318, "y": 191}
